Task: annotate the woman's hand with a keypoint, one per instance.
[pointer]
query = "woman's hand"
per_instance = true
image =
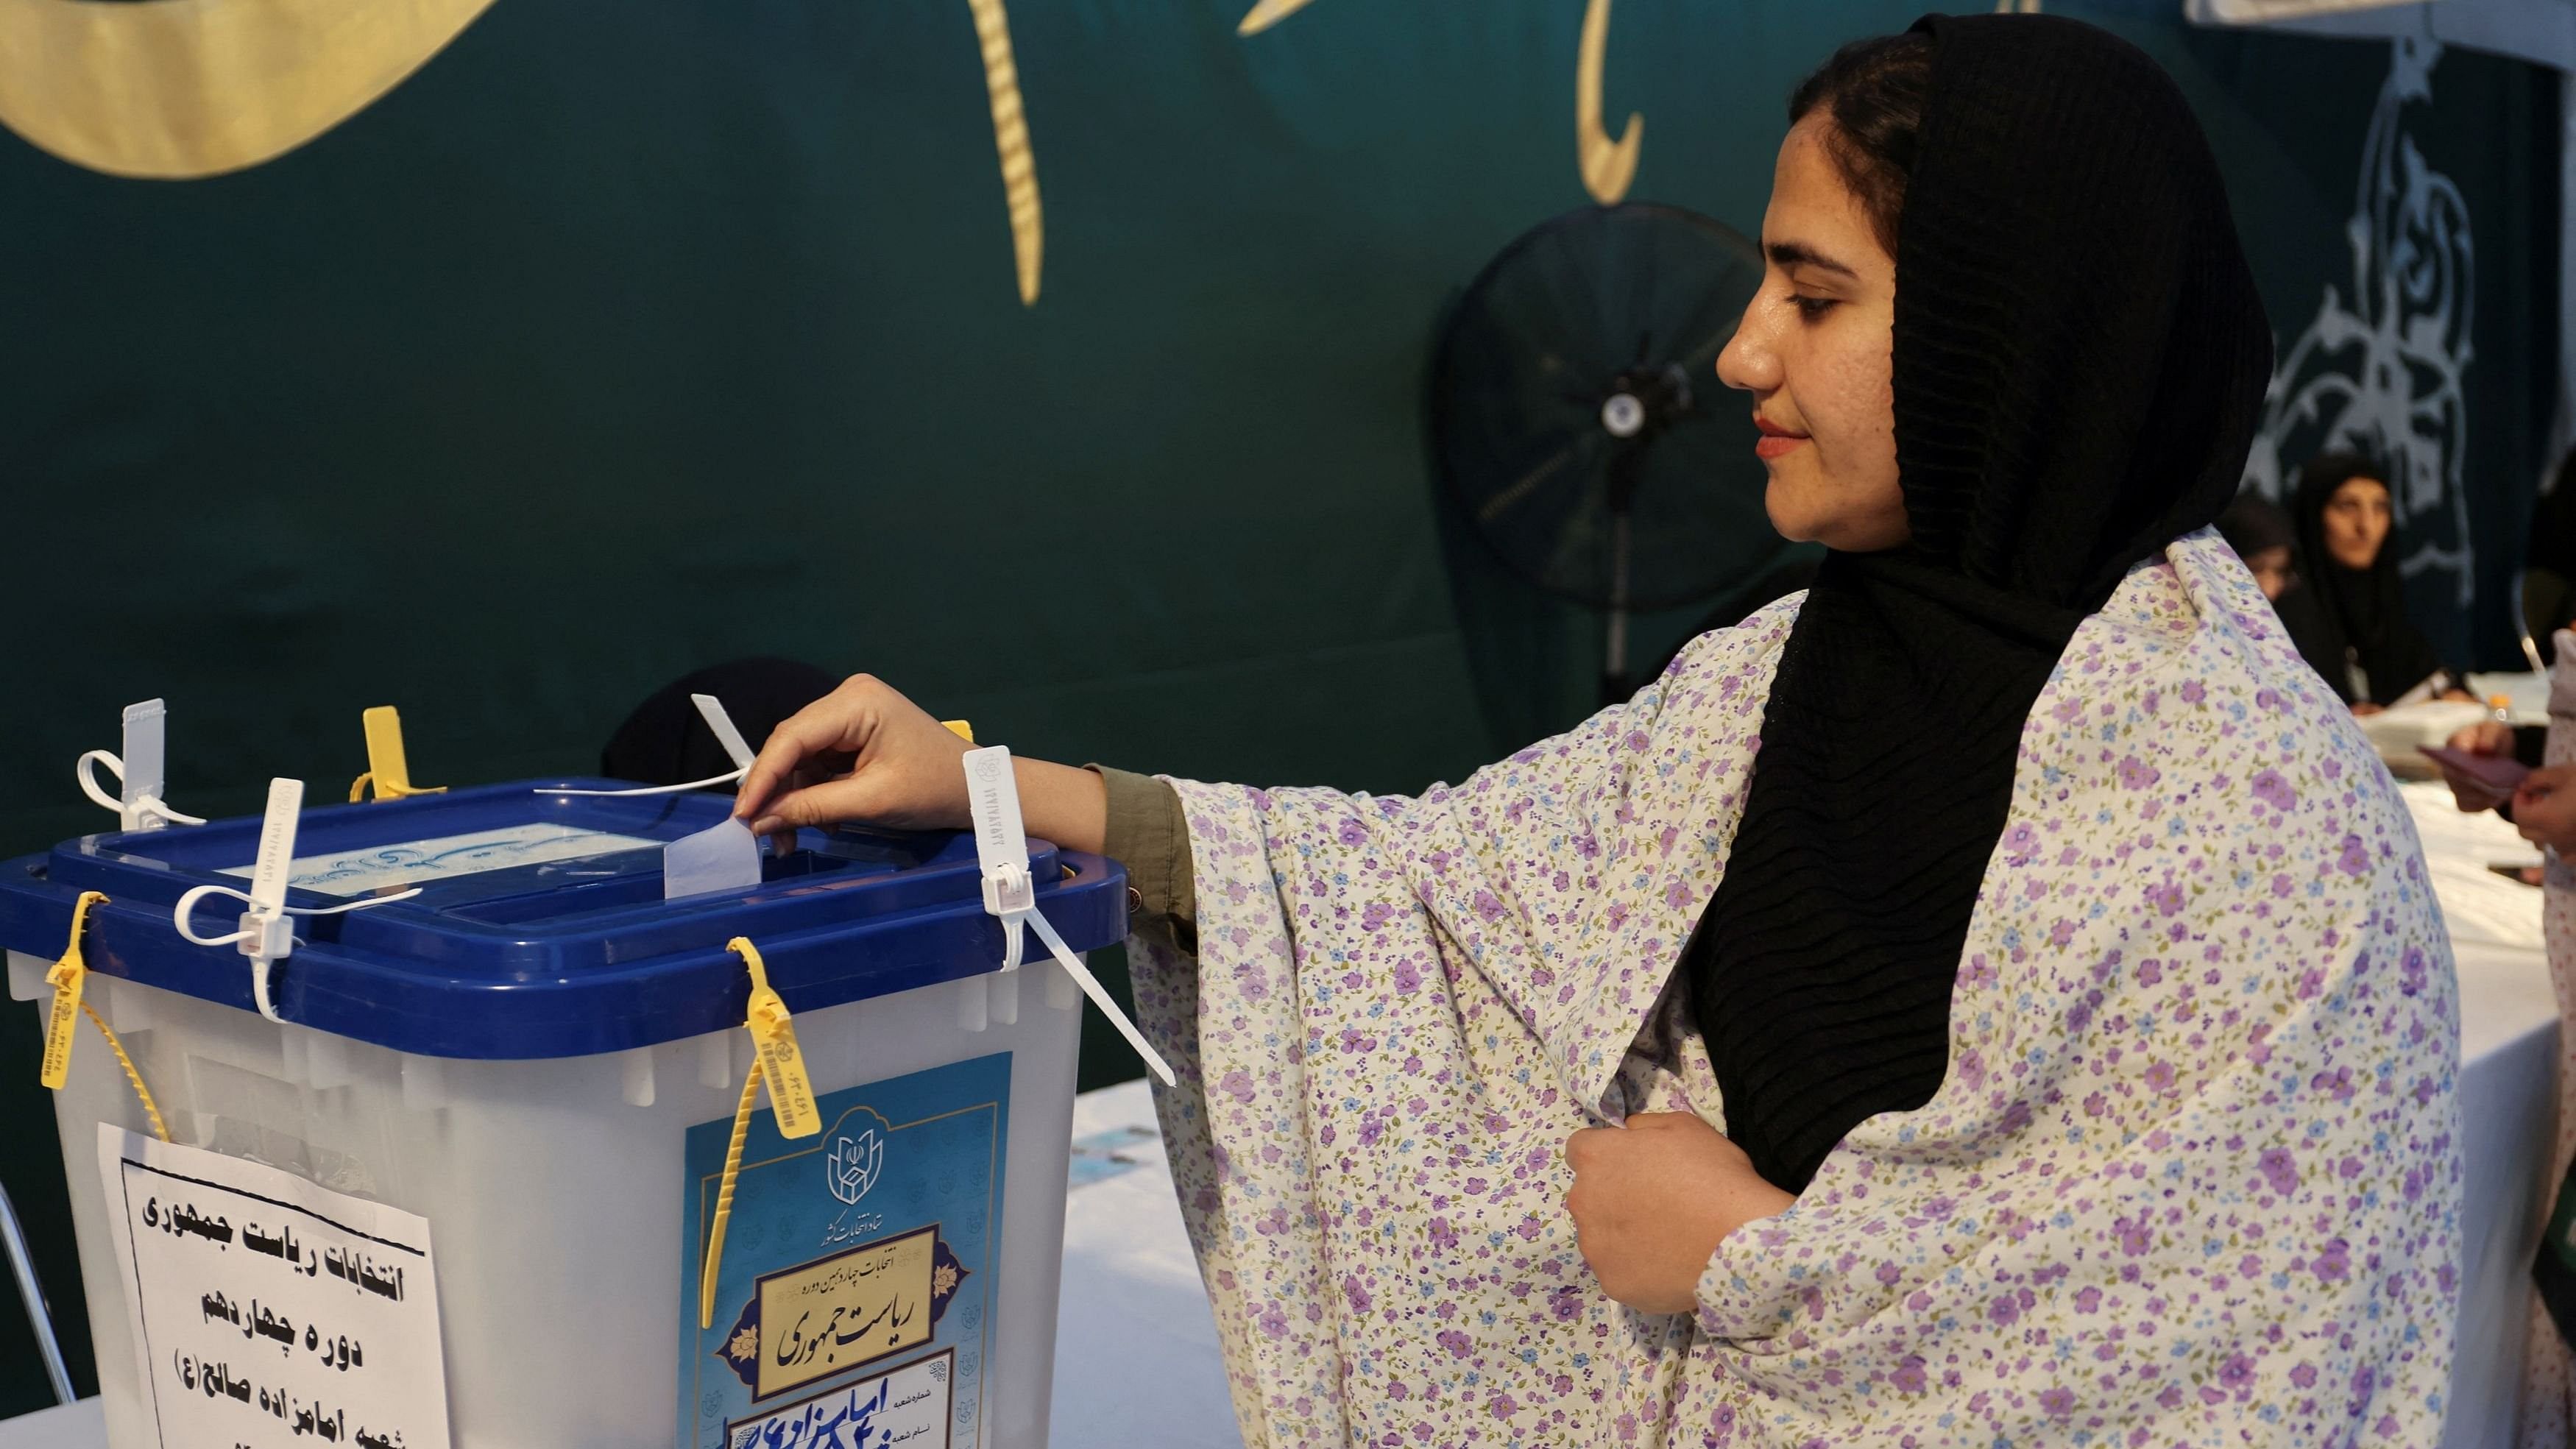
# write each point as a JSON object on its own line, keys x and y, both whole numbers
{"x": 2486, "y": 737}
{"x": 865, "y": 753}
{"x": 2544, "y": 808}
{"x": 1652, "y": 1200}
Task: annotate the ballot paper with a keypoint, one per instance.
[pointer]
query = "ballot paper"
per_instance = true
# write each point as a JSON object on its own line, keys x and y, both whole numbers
{"x": 724, "y": 857}
{"x": 268, "y": 1313}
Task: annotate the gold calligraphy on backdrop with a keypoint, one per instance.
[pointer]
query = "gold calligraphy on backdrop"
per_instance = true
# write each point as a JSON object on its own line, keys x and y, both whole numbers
{"x": 176, "y": 90}
{"x": 1269, "y": 13}
{"x": 182, "y": 89}
{"x": 1011, "y": 141}
{"x": 1607, "y": 166}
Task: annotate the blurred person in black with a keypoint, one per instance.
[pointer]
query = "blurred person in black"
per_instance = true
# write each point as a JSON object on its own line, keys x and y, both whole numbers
{"x": 2353, "y": 629}
{"x": 2262, "y": 536}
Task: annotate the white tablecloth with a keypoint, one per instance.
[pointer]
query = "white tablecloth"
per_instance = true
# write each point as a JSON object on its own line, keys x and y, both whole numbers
{"x": 1136, "y": 1358}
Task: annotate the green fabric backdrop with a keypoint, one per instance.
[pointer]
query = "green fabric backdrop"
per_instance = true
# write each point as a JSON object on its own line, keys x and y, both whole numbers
{"x": 618, "y": 342}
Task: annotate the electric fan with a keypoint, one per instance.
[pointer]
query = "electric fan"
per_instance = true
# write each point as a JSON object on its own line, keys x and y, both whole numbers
{"x": 1576, "y": 416}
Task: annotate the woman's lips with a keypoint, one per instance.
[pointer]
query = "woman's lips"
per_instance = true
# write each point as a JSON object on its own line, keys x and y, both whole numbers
{"x": 1776, "y": 440}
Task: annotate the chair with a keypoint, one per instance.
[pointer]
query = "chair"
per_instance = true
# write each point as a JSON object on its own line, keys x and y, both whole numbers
{"x": 34, "y": 1295}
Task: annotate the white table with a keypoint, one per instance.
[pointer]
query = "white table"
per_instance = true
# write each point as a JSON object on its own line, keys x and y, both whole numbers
{"x": 1136, "y": 1357}
{"x": 1131, "y": 1300}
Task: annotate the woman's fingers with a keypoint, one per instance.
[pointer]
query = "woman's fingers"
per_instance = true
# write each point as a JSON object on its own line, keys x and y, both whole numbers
{"x": 834, "y": 724}
{"x": 826, "y": 804}
{"x": 861, "y": 753}
{"x": 2486, "y": 737}
{"x": 2544, "y": 809}
{"x": 2542, "y": 783}
{"x": 2472, "y": 797}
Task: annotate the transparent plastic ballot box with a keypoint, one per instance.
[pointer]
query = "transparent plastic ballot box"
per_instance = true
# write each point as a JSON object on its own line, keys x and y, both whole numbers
{"x": 542, "y": 1057}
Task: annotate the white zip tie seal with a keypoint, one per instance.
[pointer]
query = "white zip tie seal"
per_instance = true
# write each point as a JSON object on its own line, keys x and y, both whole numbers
{"x": 1001, "y": 844}
{"x": 264, "y": 933}
{"x": 138, "y": 769}
{"x": 720, "y": 724}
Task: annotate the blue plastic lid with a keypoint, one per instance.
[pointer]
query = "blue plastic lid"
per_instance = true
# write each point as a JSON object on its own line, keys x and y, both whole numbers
{"x": 540, "y": 929}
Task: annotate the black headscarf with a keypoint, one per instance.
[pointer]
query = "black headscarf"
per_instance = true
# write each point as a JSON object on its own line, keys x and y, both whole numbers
{"x": 2353, "y": 616}
{"x": 2254, "y": 524}
{"x": 2080, "y": 357}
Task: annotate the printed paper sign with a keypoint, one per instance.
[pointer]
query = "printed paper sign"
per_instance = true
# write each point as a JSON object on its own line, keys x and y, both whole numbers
{"x": 268, "y": 1313}
{"x": 854, "y": 1304}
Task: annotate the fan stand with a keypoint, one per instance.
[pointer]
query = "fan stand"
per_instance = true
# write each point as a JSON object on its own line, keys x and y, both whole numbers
{"x": 1639, "y": 407}
{"x": 1614, "y": 651}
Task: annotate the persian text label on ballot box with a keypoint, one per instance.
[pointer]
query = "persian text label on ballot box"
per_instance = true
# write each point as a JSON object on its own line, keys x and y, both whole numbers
{"x": 267, "y": 1311}
{"x": 855, "y": 1297}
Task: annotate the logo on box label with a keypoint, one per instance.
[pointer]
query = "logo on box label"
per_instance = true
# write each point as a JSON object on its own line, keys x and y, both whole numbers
{"x": 853, "y": 1166}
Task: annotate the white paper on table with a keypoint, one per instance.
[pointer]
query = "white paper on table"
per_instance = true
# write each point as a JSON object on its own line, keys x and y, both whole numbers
{"x": 270, "y": 1313}
{"x": 2398, "y": 734}
{"x": 2477, "y": 904}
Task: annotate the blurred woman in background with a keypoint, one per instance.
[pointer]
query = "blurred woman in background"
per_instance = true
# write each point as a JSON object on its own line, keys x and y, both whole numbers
{"x": 2353, "y": 630}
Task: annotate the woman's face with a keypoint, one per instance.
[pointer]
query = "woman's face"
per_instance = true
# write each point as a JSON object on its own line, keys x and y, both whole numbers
{"x": 2356, "y": 522}
{"x": 1816, "y": 350}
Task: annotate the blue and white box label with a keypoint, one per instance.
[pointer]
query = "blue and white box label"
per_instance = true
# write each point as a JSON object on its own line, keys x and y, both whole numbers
{"x": 854, "y": 1303}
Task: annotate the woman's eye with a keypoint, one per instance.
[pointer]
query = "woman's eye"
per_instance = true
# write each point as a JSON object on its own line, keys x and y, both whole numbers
{"x": 1812, "y": 308}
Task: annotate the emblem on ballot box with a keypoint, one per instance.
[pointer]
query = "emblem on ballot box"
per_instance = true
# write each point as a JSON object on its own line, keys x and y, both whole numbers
{"x": 853, "y": 1166}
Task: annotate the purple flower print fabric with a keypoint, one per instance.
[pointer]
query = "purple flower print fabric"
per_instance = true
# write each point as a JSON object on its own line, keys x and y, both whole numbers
{"x": 2192, "y": 1177}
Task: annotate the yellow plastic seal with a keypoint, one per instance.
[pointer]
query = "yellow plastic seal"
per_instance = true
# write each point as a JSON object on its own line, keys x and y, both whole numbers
{"x": 782, "y": 1066}
{"x": 67, "y": 978}
{"x": 791, "y": 1097}
{"x": 388, "y": 766}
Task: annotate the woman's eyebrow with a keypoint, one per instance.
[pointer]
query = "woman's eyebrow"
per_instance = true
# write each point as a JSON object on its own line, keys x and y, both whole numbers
{"x": 1798, "y": 254}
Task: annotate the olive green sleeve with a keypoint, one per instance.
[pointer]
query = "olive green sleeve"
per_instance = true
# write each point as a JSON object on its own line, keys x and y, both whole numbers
{"x": 1148, "y": 834}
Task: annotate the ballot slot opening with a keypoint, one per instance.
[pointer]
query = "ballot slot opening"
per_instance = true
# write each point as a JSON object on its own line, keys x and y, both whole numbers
{"x": 639, "y": 884}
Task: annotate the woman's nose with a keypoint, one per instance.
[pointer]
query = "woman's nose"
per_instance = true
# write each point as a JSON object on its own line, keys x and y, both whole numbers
{"x": 1748, "y": 362}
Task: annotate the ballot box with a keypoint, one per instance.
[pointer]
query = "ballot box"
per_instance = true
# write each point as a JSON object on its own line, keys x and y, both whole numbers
{"x": 542, "y": 1057}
